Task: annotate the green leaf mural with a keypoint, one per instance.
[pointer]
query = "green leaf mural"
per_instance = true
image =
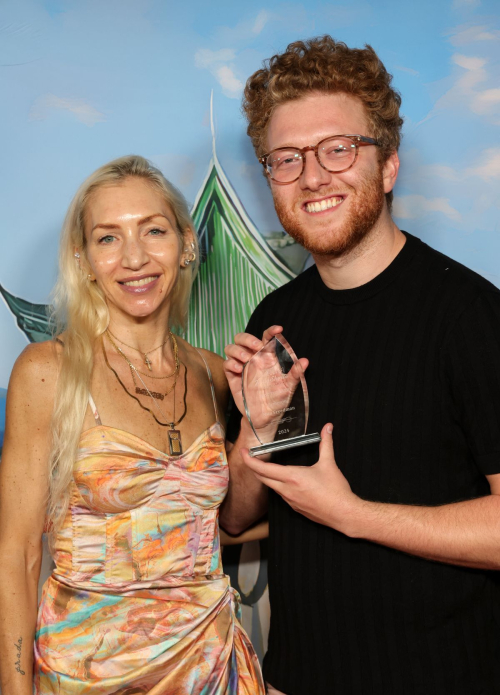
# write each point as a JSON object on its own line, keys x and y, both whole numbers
{"x": 32, "y": 319}
{"x": 238, "y": 267}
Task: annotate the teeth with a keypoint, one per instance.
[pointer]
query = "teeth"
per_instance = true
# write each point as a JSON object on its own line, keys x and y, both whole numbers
{"x": 324, "y": 204}
{"x": 140, "y": 283}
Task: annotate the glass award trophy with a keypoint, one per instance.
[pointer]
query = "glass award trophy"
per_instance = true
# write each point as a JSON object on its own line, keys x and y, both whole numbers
{"x": 275, "y": 397}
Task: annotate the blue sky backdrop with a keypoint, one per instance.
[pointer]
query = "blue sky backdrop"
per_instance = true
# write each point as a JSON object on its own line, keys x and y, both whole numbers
{"x": 84, "y": 81}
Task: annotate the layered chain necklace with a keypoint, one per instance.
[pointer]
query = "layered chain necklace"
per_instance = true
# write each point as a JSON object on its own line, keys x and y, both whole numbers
{"x": 134, "y": 371}
{"x": 174, "y": 435}
{"x": 147, "y": 361}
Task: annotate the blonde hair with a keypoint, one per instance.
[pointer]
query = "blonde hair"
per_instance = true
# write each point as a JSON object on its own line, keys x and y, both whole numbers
{"x": 81, "y": 312}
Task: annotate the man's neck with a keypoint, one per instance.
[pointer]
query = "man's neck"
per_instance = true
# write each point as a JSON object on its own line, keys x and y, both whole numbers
{"x": 377, "y": 251}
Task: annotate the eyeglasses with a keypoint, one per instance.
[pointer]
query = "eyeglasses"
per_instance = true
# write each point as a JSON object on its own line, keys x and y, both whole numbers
{"x": 336, "y": 153}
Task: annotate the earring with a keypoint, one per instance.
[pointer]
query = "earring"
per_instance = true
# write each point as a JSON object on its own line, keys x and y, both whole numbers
{"x": 186, "y": 262}
{"x": 89, "y": 277}
{"x": 77, "y": 255}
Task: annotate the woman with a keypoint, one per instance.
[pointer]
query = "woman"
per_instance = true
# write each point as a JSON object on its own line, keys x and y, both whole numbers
{"x": 118, "y": 424}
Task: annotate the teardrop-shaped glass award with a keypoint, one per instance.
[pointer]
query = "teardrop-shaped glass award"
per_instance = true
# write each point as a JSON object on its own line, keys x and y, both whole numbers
{"x": 276, "y": 399}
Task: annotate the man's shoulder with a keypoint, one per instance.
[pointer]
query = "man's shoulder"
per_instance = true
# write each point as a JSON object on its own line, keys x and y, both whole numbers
{"x": 278, "y": 305}
{"x": 300, "y": 284}
{"x": 451, "y": 277}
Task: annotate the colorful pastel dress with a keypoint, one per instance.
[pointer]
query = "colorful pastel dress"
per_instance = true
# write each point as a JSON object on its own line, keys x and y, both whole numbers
{"x": 138, "y": 601}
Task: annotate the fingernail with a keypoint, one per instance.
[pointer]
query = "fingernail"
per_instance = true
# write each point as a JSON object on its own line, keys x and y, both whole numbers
{"x": 329, "y": 429}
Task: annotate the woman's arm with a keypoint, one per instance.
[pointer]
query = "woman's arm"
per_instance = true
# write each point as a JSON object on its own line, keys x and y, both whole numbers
{"x": 23, "y": 498}
{"x": 254, "y": 533}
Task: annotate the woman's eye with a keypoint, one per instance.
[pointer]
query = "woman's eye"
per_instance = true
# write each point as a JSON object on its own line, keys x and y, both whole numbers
{"x": 156, "y": 231}
{"x": 106, "y": 239}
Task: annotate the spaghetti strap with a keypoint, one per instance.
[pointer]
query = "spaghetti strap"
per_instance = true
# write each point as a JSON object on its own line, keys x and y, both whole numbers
{"x": 211, "y": 385}
{"x": 94, "y": 410}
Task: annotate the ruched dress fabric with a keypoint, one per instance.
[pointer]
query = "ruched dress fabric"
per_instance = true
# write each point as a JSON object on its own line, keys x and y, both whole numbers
{"x": 138, "y": 601}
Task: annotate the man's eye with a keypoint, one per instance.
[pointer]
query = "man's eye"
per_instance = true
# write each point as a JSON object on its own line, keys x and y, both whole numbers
{"x": 336, "y": 151}
{"x": 286, "y": 161}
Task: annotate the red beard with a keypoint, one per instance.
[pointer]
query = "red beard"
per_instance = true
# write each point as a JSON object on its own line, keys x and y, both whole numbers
{"x": 366, "y": 203}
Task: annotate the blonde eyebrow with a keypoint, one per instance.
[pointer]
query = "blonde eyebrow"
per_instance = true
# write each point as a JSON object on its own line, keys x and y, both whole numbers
{"x": 102, "y": 225}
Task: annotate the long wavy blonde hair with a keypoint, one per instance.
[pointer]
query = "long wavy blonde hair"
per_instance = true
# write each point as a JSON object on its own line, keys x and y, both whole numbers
{"x": 81, "y": 313}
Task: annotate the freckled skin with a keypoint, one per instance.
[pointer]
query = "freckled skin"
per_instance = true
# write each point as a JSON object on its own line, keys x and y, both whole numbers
{"x": 337, "y": 231}
{"x": 132, "y": 248}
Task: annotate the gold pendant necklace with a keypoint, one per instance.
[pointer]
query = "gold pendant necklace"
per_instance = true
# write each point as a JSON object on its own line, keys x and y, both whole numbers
{"x": 134, "y": 370}
{"x": 174, "y": 435}
{"x": 147, "y": 361}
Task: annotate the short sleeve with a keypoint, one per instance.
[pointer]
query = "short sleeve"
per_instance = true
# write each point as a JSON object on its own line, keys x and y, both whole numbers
{"x": 472, "y": 365}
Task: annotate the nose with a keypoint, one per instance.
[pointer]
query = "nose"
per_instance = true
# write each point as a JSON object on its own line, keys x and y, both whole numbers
{"x": 134, "y": 254}
{"x": 313, "y": 175}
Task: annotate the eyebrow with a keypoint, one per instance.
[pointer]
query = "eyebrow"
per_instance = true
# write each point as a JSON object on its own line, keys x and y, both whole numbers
{"x": 102, "y": 225}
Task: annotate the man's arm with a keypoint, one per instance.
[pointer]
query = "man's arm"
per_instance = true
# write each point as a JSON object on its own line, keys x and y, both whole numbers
{"x": 246, "y": 499}
{"x": 463, "y": 533}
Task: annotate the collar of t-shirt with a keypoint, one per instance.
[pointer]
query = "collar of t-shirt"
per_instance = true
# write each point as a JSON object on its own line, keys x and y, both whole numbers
{"x": 380, "y": 282}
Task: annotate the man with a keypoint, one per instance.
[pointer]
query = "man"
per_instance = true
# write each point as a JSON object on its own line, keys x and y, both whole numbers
{"x": 380, "y": 569}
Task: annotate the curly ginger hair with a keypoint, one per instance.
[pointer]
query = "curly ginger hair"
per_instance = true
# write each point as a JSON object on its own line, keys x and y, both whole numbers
{"x": 326, "y": 66}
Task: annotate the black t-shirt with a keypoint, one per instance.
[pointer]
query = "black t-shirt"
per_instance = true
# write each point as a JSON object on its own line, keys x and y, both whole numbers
{"x": 407, "y": 367}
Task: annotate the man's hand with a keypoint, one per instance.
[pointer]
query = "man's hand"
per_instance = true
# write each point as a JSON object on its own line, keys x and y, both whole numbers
{"x": 319, "y": 492}
{"x": 271, "y": 390}
{"x": 237, "y": 355}
{"x": 461, "y": 533}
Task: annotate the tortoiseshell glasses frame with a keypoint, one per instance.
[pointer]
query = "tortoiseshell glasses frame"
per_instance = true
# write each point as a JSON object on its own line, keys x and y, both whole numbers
{"x": 339, "y": 152}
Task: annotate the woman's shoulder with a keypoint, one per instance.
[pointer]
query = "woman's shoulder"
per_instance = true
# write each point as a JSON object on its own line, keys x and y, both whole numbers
{"x": 212, "y": 358}
{"x": 37, "y": 362}
{"x": 216, "y": 364}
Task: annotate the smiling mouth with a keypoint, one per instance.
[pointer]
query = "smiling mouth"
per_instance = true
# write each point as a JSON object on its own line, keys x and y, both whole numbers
{"x": 139, "y": 283}
{"x": 325, "y": 204}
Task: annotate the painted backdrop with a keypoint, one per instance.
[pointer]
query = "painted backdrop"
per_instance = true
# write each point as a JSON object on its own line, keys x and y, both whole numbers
{"x": 85, "y": 81}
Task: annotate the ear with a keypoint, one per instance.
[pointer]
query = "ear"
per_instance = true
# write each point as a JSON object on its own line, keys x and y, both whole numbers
{"x": 79, "y": 257}
{"x": 188, "y": 237}
{"x": 390, "y": 171}
{"x": 188, "y": 254}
